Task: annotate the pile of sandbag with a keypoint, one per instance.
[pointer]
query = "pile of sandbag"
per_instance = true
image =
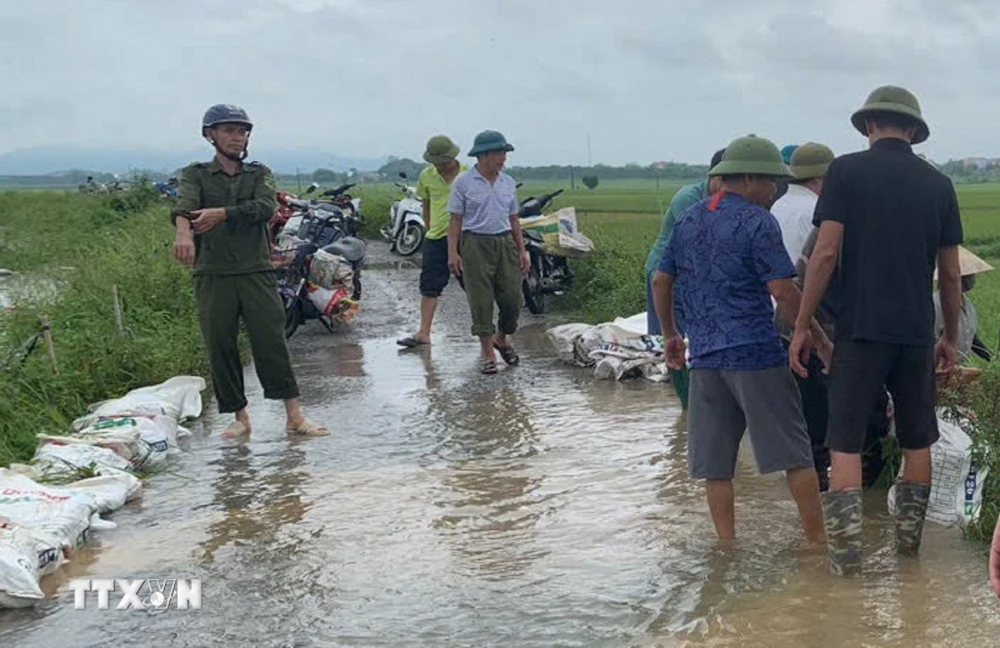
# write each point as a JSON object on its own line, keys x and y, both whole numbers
{"x": 620, "y": 349}
{"x": 41, "y": 524}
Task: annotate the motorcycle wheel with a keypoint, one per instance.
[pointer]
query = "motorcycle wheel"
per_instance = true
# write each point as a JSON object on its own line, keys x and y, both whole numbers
{"x": 356, "y": 295}
{"x": 534, "y": 299}
{"x": 410, "y": 239}
{"x": 293, "y": 315}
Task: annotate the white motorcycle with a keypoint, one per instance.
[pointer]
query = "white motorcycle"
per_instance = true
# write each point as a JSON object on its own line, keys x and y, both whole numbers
{"x": 405, "y": 231}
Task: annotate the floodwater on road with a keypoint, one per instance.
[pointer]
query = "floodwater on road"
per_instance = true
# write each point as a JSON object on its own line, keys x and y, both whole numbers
{"x": 537, "y": 507}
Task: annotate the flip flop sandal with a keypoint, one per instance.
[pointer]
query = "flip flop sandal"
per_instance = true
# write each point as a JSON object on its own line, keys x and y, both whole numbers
{"x": 308, "y": 428}
{"x": 508, "y": 354}
{"x": 489, "y": 367}
{"x": 410, "y": 342}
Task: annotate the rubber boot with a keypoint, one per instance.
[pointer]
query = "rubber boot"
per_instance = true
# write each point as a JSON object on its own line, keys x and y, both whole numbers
{"x": 842, "y": 517}
{"x": 909, "y": 512}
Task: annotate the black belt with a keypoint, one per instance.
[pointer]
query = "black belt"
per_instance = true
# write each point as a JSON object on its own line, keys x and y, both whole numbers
{"x": 471, "y": 233}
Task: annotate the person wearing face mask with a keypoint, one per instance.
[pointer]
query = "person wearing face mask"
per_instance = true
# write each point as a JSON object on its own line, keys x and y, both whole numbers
{"x": 726, "y": 259}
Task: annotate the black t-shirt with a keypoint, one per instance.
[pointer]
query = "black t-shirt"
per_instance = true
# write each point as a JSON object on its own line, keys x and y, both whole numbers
{"x": 897, "y": 211}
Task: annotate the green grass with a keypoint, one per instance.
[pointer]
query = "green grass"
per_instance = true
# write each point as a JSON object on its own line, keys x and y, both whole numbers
{"x": 86, "y": 245}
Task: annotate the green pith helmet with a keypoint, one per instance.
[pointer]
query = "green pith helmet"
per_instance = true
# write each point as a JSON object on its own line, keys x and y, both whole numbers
{"x": 811, "y": 160}
{"x": 489, "y": 140}
{"x": 440, "y": 150}
{"x": 751, "y": 155}
{"x": 892, "y": 99}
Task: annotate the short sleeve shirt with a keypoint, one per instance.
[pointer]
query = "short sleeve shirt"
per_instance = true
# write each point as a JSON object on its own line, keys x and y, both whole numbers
{"x": 435, "y": 191}
{"x": 723, "y": 252}
{"x": 897, "y": 211}
{"x": 485, "y": 208}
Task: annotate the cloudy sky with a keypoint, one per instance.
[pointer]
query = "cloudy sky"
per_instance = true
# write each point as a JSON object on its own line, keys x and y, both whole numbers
{"x": 647, "y": 79}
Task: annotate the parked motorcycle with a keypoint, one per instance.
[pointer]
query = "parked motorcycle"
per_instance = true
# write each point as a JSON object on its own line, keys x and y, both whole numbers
{"x": 303, "y": 300}
{"x": 405, "y": 231}
{"x": 549, "y": 274}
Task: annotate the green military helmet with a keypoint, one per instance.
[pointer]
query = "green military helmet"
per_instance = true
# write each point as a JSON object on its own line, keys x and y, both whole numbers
{"x": 440, "y": 150}
{"x": 811, "y": 160}
{"x": 489, "y": 140}
{"x": 751, "y": 155}
{"x": 892, "y": 99}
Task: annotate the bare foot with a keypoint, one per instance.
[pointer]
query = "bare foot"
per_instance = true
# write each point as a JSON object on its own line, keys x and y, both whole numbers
{"x": 305, "y": 427}
{"x": 235, "y": 430}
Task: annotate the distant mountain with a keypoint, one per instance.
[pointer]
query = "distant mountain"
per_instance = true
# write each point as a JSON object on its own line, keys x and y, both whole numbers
{"x": 41, "y": 161}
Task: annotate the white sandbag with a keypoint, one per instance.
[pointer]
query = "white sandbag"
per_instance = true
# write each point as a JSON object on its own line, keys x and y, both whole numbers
{"x": 178, "y": 398}
{"x": 563, "y": 338}
{"x": 125, "y": 443}
{"x": 24, "y": 559}
{"x": 617, "y": 362}
{"x": 41, "y": 525}
{"x": 159, "y": 431}
{"x": 56, "y": 462}
{"x": 50, "y": 513}
{"x": 956, "y": 482}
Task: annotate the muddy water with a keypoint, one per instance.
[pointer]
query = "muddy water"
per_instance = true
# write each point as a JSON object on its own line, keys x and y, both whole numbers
{"x": 537, "y": 507}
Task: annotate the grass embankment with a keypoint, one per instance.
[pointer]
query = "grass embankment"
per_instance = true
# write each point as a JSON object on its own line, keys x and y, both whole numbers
{"x": 86, "y": 245}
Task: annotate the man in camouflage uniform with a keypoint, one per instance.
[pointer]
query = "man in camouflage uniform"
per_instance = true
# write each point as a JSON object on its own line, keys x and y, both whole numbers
{"x": 221, "y": 217}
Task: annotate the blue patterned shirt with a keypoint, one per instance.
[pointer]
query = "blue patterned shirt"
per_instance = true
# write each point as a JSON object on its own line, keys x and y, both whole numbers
{"x": 723, "y": 252}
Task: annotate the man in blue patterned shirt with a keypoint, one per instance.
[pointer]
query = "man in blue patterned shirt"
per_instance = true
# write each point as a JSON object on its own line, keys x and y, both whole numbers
{"x": 726, "y": 258}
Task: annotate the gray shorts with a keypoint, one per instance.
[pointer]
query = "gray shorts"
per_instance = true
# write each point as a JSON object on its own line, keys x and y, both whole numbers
{"x": 725, "y": 403}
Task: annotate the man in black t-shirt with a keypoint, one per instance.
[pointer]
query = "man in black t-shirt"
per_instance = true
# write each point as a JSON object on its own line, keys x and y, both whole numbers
{"x": 887, "y": 217}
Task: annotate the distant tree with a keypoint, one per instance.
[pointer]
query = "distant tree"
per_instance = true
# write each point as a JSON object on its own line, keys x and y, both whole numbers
{"x": 589, "y": 181}
{"x": 391, "y": 169}
{"x": 324, "y": 175}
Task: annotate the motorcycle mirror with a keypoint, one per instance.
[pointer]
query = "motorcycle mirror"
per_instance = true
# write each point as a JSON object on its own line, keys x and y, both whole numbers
{"x": 402, "y": 174}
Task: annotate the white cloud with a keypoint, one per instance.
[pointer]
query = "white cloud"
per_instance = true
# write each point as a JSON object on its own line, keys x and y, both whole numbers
{"x": 647, "y": 79}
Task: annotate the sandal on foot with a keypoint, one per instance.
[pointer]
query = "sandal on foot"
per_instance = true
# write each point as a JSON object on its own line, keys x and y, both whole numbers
{"x": 411, "y": 342}
{"x": 308, "y": 428}
{"x": 235, "y": 430}
{"x": 508, "y": 354}
{"x": 489, "y": 367}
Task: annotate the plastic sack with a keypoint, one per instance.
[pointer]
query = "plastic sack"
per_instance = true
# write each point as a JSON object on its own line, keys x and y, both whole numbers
{"x": 57, "y": 462}
{"x": 561, "y": 235}
{"x": 563, "y": 338}
{"x": 330, "y": 302}
{"x": 41, "y": 525}
{"x": 178, "y": 398}
{"x": 329, "y": 270}
{"x": 24, "y": 559}
{"x": 956, "y": 481}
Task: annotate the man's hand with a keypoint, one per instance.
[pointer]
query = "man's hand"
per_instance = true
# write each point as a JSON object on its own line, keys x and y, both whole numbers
{"x": 525, "y": 262}
{"x": 455, "y": 264}
{"x": 945, "y": 356}
{"x": 799, "y": 351}
{"x": 184, "y": 248}
{"x": 995, "y": 560}
{"x": 206, "y": 220}
{"x": 674, "y": 348}
{"x": 824, "y": 351}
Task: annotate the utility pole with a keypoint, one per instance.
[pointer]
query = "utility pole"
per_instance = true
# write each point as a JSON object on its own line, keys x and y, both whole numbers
{"x": 590, "y": 162}
{"x": 298, "y": 180}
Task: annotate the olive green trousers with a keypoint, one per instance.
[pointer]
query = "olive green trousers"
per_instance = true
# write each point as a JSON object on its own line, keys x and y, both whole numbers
{"x": 222, "y": 301}
{"x": 492, "y": 274}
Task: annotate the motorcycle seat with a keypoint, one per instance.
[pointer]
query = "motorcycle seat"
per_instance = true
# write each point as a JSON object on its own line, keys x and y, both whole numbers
{"x": 349, "y": 247}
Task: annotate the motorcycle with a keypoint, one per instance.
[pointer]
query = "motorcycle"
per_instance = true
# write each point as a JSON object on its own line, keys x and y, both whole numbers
{"x": 302, "y": 299}
{"x": 548, "y": 273}
{"x": 405, "y": 231}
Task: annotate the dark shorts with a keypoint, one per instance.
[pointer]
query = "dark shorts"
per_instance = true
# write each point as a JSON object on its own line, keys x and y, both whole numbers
{"x": 765, "y": 402}
{"x": 434, "y": 267}
{"x": 859, "y": 372}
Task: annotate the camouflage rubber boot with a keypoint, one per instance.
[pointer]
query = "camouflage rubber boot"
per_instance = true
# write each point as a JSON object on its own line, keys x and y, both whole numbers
{"x": 842, "y": 515}
{"x": 910, "y": 509}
